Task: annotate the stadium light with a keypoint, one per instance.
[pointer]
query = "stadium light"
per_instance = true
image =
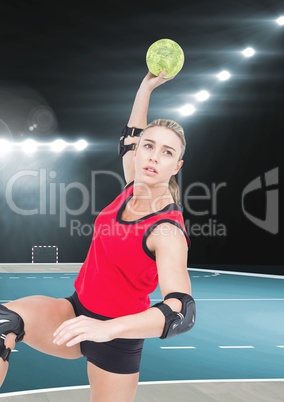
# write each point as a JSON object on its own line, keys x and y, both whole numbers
{"x": 80, "y": 145}
{"x": 29, "y": 146}
{"x": 202, "y": 96}
{"x": 223, "y": 75}
{"x": 280, "y": 20}
{"x": 187, "y": 110}
{"x": 248, "y": 52}
{"x": 58, "y": 145}
{"x": 5, "y": 146}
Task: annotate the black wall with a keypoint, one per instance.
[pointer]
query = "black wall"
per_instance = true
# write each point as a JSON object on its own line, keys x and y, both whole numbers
{"x": 82, "y": 69}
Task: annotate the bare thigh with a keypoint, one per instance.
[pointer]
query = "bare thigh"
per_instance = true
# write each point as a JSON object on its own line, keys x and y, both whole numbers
{"x": 42, "y": 315}
{"x": 111, "y": 387}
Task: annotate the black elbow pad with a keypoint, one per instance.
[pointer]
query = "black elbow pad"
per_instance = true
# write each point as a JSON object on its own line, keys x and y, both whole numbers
{"x": 177, "y": 323}
{"x": 128, "y": 131}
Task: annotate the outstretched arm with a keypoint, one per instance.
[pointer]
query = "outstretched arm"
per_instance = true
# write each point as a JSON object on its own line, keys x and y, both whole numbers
{"x": 138, "y": 117}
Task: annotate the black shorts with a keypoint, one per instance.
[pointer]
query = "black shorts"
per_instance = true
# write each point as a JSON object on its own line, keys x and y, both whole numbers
{"x": 120, "y": 355}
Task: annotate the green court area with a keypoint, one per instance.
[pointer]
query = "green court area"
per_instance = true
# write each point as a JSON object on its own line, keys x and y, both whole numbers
{"x": 238, "y": 333}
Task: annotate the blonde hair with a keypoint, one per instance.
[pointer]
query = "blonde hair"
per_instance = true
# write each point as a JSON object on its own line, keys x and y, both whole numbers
{"x": 178, "y": 130}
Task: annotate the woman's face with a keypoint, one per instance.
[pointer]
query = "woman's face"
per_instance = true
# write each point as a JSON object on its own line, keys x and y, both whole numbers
{"x": 157, "y": 156}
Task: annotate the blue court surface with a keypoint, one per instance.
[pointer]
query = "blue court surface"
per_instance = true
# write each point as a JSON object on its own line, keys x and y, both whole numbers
{"x": 239, "y": 333}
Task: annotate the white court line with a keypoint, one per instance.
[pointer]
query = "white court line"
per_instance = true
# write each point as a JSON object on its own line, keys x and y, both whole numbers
{"x": 193, "y": 347}
{"x": 271, "y": 299}
{"x": 236, "y": 347}
{"x": 39, "y": 391}
{"x": 177, "y": 347}
{"x": 211, "y": 381}
{"x": 157, "y": 300}
{"x": 237, "y": 273}
{"x": 56, "y": 264}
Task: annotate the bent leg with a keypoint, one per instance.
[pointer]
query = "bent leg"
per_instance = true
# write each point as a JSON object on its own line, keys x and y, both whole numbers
{"x": 41, "y": 316}
{"x": 108, "y": 387}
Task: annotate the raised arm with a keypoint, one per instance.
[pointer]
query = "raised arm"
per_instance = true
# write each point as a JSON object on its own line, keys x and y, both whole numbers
{"x": 138, "y": 121}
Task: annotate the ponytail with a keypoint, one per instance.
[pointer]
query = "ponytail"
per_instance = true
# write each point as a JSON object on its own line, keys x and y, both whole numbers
{"x": 174, "y": 190}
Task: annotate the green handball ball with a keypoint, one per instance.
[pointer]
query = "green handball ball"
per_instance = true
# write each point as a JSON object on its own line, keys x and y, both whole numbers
{"x": 165, "y": 55}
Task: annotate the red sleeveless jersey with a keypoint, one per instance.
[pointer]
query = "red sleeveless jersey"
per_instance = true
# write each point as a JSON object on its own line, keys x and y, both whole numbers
{"x": 119, "y": 271}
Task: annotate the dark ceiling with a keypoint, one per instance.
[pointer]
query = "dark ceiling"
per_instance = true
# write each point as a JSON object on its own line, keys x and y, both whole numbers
{"x": 72, "y": 69}
{"x": 85, "y": 63}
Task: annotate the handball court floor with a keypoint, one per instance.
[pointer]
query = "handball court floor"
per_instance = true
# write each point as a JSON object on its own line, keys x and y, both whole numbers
{"x": 234, "y": 353}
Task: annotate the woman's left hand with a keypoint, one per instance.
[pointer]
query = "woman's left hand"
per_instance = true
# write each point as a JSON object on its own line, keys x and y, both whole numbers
{"x": 82, "y": 328}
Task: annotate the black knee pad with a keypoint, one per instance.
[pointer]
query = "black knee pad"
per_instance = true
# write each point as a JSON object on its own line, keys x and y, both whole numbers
{"x": 9, "y": 322}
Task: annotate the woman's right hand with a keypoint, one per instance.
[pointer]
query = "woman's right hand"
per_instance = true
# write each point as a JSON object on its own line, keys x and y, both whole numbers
{"x": 82, "y": 328}
{"x": 151, "y": 81}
